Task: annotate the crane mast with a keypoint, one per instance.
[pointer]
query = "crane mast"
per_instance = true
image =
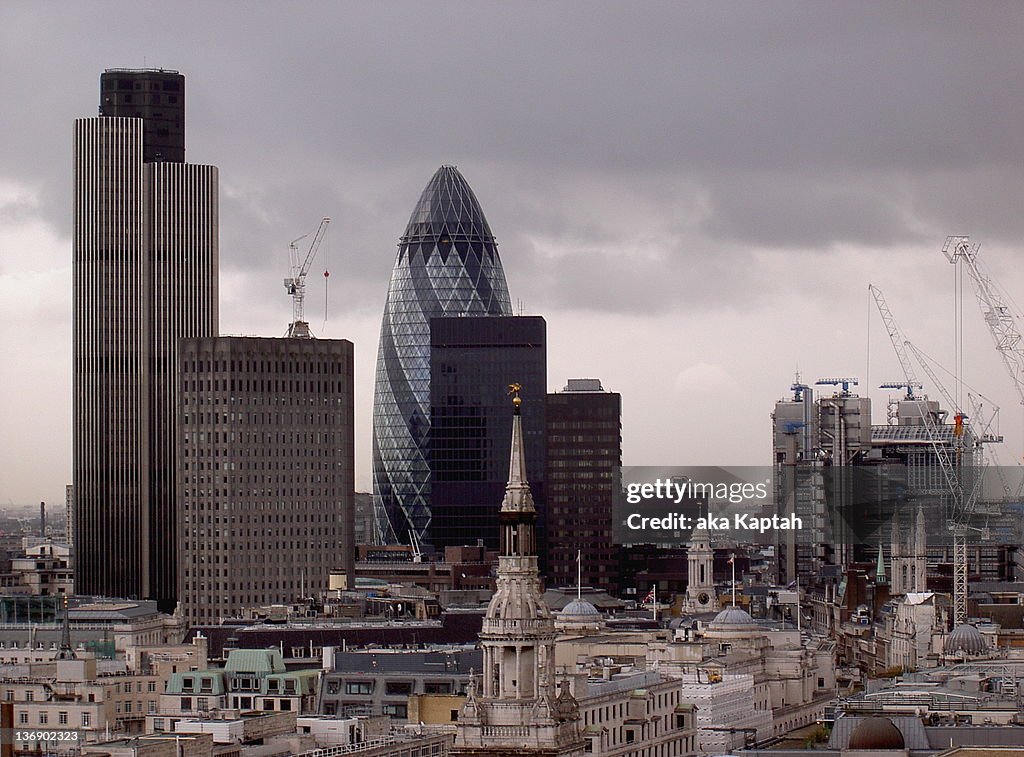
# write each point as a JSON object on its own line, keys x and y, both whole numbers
{"x": 1002, "y": 324}
{"x": 897, "y": 339}
{"x": 964, "y": 498}
{"x": 295, "y": 284}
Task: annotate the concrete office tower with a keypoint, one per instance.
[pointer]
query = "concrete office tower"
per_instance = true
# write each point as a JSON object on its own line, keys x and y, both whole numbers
{"x": 158, "y": 98}
{"x": 145, "y": 254}
{"x": 447, "y": 264}
{"x": 584, "y": 455}
{"x": 265, "y": 469}
{"x": 69, "y": 517}
{"x": 472, "y": 362}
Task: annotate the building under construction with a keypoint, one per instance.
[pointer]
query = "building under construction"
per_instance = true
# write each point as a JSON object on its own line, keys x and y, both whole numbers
{"x": 849, "y": 480}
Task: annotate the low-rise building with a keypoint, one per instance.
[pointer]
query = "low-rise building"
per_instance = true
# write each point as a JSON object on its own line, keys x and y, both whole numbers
{"x": 251, "y": 680}
{"x": 380, "y": 682}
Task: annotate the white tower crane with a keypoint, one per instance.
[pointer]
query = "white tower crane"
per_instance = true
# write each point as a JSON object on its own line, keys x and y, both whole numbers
{"x": 964, "y": 498}
{"x": 897, "y": 339}
{"x": 295, "y": 284}
{"x": 1002, "y": 323}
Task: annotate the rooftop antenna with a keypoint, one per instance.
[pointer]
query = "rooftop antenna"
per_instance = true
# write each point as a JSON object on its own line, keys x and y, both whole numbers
{"x": 579, "y": 574}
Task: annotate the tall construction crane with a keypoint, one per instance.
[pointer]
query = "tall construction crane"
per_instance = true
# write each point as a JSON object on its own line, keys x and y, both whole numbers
{"x": 964, "y": 498}
{"x": 295, "y": 284}
{"x": 1002, "y": 323}
{"x": 897, "y": 339}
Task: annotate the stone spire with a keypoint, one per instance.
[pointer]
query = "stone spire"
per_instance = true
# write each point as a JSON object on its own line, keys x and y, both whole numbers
{"x": 67, "y": 652}
{"x": 920, "y": 547}
{"x": 700, "y": 586}
{"x": 517, "y": 492}
{"x": 516, "y": 710}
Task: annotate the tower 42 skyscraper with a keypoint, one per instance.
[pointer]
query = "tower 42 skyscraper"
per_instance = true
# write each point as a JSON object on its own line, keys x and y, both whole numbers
{"x": 145, "y": 275}
{"x": 447, "y": 265}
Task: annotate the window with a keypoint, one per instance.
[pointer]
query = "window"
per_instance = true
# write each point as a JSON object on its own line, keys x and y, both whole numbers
{"x": 359, "y": 687}
{"x": 268, "y": 704}
{"x": 286, "y": 704}
{"x": 23, "y": 718}
{"x": 158, "y": 723}
{"x": 186, "y": 704}
{"x": 202, "y": 703}
{"x": 398, "y": 688}
{"x": 29, "y": 696}
{"x": 44, "y": 718}
{"x": 62, "y": 717}
{"x": 151, "y": 687}
{"x": 87, "y": 720}
{"x": 395, "y": 710}
{"x": 436, "y": 687}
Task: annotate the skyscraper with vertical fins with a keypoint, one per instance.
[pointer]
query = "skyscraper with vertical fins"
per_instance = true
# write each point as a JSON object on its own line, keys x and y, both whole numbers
{"x": 145, "y": 254}
{"x": 447, "y": 265}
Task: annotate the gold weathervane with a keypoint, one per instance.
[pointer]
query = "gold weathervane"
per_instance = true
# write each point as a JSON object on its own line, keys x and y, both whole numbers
{"x": 514, "y": 389}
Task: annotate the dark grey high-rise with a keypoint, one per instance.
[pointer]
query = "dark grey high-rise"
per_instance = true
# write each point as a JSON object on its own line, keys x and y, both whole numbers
{"x": 447, "y": 264}
{"x": 472, "y": 363}
{"x": 145, "y": 252}
{"x": 265, "y": 471}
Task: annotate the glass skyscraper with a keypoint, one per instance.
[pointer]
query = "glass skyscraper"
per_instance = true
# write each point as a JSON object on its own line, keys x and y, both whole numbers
{"x": 447, "y": 265}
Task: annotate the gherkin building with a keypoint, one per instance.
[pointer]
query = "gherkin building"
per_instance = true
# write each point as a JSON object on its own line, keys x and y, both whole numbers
{"x": 447, "y": 265}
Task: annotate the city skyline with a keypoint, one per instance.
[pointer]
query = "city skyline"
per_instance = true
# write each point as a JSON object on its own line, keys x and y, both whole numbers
{"x": 696, "y": 218}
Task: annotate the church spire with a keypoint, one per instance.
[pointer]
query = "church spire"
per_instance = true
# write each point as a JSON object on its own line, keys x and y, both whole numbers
{"x": 517, "y": 492}
{"x": 516, "y": 710}
{"x": 66, "y": 652}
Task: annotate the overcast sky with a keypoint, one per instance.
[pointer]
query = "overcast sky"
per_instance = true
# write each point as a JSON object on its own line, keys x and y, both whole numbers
{"x": 694, "y": 195}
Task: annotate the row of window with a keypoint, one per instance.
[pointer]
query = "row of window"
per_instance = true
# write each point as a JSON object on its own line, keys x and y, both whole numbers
{"x": 331, "y": 367}
{"x": 62, "y": 718}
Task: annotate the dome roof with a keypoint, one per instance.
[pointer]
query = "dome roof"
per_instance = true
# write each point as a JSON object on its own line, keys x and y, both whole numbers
{"x": 876, "y": 733}
{"x": 733, "y": 616}
{"x": 579, "y": 608}
{"x": 448, "y": 207}
{"x": 965, "y": 639}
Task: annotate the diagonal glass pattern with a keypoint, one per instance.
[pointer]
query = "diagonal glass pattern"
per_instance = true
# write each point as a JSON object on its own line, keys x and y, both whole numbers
{"x": 447, "y": 264}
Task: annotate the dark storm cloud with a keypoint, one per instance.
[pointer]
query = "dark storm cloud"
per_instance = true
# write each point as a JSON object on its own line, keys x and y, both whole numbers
{"x": 743, "y": 125}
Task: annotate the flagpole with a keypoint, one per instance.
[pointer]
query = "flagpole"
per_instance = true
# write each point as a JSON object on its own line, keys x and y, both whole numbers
{"x": 798, "y": 602}
{"x": 732, "y": 560}
{"x": 655, "y": 607}
{"x": 579, "y": 574}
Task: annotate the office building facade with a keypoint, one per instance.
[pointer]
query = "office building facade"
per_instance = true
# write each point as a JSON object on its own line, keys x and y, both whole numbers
{"x": 145, "y": 255}
{"x": 472, "y": 363}
{"x": 584, "y": 459}
{"x": 447, "y": 265}
{"x": 265, "y": 468}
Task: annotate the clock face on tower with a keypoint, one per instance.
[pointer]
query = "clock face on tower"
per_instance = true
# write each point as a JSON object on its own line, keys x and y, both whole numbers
{"x": 703, "y": 598}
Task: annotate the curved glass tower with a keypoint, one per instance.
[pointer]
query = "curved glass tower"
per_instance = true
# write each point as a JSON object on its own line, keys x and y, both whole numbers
{"x": 447, "y": 265}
